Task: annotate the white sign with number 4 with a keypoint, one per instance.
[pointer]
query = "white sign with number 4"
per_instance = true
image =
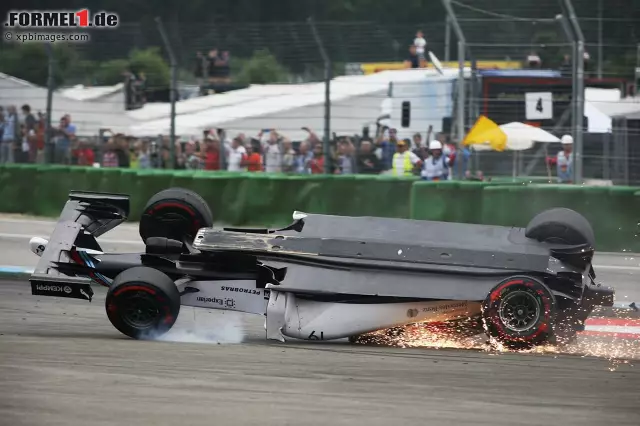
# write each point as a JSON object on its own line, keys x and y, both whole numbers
{"x": 539, "y": 105}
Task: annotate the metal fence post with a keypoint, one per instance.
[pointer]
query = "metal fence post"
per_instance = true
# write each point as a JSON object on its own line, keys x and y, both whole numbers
{"x": 460, "y": 115}
{"x": 574, "y": 64}
{"x": 50, "y": 89}
{"x": 579, "y": 111}
{"x": 328, "y": 75}
{"x": 172, "y": 90}
{"x": 447, "y": 39}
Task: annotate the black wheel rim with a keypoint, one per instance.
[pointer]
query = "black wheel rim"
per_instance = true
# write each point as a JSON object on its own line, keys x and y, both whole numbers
{"x": 519, "y": 311}
{"x": 139, "y": 310}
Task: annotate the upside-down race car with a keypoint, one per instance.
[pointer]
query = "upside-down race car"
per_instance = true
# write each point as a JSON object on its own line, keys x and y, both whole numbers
{"x": 326, "y": 277}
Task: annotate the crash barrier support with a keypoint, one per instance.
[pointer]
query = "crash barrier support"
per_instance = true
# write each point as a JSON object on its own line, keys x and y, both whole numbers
{"x": 255, "y": 199}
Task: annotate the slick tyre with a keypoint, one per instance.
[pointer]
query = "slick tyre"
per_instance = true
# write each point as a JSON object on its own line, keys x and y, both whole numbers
{"x": 519, "y": 313}
{"x": 143, "y": 303}
{"x": 562, "y": 226}
{"x": 176, "y": 214}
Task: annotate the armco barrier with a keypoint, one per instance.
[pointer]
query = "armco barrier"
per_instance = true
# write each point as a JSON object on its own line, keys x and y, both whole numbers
{"x": 268, "y": 200}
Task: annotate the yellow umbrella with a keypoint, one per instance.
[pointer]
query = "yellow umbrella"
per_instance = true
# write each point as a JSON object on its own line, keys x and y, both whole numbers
{"x": 486, "y": 132}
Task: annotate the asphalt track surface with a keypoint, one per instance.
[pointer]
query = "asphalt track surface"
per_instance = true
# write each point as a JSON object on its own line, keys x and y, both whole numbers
{"x": 62, "y": 363}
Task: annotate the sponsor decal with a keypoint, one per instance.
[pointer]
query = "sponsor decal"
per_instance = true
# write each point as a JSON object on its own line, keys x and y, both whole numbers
{"x": 78, "y": 291}
{"x": 226, "y": 303}
{"x": 82, "y": 292}
{"x": 51, "y": 288}
{"x": 438, "y": 308}
{"x": 241, "y": 290}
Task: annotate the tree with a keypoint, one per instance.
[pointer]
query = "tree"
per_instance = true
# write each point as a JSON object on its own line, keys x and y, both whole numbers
{"x": 261, "y": 68}
{"x": 29, "y": 61}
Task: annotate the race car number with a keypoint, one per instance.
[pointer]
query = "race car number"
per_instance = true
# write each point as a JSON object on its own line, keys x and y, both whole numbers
{"x": 314, "y": 336}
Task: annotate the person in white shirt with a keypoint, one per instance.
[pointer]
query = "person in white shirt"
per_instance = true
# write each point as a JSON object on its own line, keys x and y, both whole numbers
{"x": 564, "y": 160}
{"x": 236, "y": 157}
{"x": 436, "y": 166}
{"x": 272, "y": 155}
{"x": 420, "y": 43}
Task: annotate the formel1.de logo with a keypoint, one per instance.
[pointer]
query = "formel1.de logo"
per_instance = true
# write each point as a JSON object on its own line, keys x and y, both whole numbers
{"x": 61, "y": 19}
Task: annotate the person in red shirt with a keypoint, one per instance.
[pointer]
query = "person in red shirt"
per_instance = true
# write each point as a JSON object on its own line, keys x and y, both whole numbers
{"x": 253, "y": 161}
{"x": 212, "y": 154}
{"x": 84, "y": 155}
{"x": 316, "y": 164}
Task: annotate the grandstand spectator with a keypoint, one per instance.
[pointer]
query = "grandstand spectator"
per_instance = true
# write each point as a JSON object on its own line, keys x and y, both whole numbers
{"x": 211, "y": 64}
{"x": 564, "y": 160}
{"x": 413, "y": 60}
{"x": 368, "y": 163}
{"x": 387, "y": 146}
{"x": 8, "y": 144}
{"x": 272, "y": 156}
{"x": 200, "y": 68}
{"x": 420, "y": 43}
{"x": 418, "y": 147}
{"x": 110, "y": 156}
{"x": 566, "y": 68}
{"x": 302, "y": 159}
{"x": 224, "y": 67}
{"x": 122, "y": 150}
{"x": 218, "y": 67}
{"x": 236, "y": 156}
{"x": 404, "y": 161}
{"x": 254, "y": 159}
{"x": 316, "y": 163}
{"x": 192, "y": 161}
{"x": 65, "y": 136}
{"x": 41, "y": 128}
{"x": 140, "y": 158}
{"x": 211, "y": 153}
{"x": 288, "y": 156}
{"x": 345, "y": 163}
{"x": 83, "y": 154}
{"x": 312, "y": 138}
{"x": 29, "y": 134}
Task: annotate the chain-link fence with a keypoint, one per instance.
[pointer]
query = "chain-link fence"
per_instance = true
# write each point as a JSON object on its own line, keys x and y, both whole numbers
{"x": 122, "y": 70}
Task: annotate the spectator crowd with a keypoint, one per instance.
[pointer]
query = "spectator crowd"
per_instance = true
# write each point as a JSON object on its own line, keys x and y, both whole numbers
{"x": 24, "y": 140}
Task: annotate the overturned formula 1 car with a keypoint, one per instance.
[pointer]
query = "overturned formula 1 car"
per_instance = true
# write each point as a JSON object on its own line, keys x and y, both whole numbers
{"x": 326, "y": 277}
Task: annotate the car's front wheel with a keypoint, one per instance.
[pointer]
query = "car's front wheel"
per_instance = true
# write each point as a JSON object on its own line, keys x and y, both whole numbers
{"x": 143, "y": 303}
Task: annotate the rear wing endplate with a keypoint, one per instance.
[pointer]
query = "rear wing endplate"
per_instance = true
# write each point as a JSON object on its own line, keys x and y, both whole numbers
{"x": 85, "y": 216}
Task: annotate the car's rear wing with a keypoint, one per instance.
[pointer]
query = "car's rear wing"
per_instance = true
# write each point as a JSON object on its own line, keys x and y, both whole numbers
{"x": 85, "y": 216}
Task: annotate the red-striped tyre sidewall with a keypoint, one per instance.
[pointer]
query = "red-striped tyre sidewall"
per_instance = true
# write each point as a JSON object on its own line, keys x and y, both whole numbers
{"x": 540, "y": 332}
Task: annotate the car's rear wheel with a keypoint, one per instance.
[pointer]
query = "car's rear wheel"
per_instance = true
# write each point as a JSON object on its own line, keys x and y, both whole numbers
{"x": 561, "y": 226}
{"x": 519, "y": 313}
{"x": 143, "y": 303}
{"x": 176, "y": 214}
